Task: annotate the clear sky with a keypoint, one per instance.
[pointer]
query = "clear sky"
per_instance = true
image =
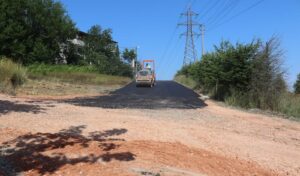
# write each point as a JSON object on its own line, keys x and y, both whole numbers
{"x": 152, "y": 26}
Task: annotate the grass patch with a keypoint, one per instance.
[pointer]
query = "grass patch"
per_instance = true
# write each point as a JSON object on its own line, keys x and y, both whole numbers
{"x": 41, "y": 79}
{"x": 12, "y": 75}
{"x": 44, "y": 69}
{"x": 287, "y": 104}
{"x": 45, "y": 88}
{"x": 60, "y": 80}
{"x": 73, "y": 74}
{"x": 189, "y": 82}
{"x": 290, "y": 105}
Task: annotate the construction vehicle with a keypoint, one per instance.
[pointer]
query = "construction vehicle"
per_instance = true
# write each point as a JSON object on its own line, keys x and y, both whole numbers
{"x": 146, "y": 76}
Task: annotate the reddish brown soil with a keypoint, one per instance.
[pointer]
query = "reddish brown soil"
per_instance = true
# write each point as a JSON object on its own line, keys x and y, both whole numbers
{"x": 50, "y": 138}
{"x": 66, "y": 154}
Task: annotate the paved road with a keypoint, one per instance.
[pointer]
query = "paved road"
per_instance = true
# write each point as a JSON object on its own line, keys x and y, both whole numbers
{"x": 166, "y": 94}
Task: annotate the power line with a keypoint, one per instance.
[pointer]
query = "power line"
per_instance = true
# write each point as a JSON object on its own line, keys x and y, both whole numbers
{"x": 175, "y": 56}
{"x": 216, "y": 10}
{"x": 205, "y": 12}
{"x": 189, "y": 4}
{"x": 167, "y": 47}
{"x": 193, "y": 3}
{"x": 223, "y": 13}
{"x": 171, "y": 59}
{"x": 165, "y": 61}
{"x": 236, "y": 15}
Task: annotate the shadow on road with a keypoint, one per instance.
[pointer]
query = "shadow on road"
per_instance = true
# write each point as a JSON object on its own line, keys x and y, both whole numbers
{"x": 7, "y": 107}
{"x": 166, "y": 94}
{"x": 28, "y": 152}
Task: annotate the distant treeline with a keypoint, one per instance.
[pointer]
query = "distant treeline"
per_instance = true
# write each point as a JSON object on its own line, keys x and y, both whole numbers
{"x": 40, "y": 31}
{"x": 247, "y": 75}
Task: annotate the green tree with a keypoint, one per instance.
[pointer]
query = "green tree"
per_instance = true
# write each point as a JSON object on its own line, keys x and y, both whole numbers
{"x": 103, "y": 52}
{"x": 73, "y": 54}
{"x": 247, "y": 75}
{"x": 101, "y": 41}
{"x": 32, "y": 30}
{"x": 297, "y": 85}
{"x": 129, "y": 55}
{"x": 225, "y": 70}
{"x": 98, "y": 50}
{"x": 267, "y": 76}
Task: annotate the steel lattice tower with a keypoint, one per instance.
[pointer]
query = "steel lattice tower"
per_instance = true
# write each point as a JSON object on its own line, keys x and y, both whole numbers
{"x": 190, "y": 54}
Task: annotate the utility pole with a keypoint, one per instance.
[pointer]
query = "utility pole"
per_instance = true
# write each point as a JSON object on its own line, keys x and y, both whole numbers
{"x": 190, "y": 54}
{"x": 202, "y": 29}
{"x": 133, "y": 68}
{"x": 136, "y": 59}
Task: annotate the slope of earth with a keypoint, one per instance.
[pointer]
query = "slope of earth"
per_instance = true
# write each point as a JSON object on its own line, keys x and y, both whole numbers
{"x": 51, "y": 137}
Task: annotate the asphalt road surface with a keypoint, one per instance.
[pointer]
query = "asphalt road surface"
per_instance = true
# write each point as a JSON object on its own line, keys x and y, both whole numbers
{"x": 165, "y": 94}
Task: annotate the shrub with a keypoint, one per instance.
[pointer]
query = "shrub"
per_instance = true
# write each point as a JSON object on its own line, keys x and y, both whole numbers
{"x": 297, "y": 85}
{"x": 290, "y": 105}
{"x": 12, "y": 75}
{"x": 189, "y": 82}
{"x": 245, "y": 75}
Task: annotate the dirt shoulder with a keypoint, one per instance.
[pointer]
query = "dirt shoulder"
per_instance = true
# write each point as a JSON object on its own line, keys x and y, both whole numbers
{"x": 47, "y": 137}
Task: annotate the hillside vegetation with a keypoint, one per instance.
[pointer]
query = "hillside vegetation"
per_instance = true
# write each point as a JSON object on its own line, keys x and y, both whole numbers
{"x": 244, "y": 75}
{"x": 55, "y": 80}
{"x": 36, "y": 45}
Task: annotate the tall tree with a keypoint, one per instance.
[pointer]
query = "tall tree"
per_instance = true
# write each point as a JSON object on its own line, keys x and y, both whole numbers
{"x": 267, "y": 75}
{"x": 103, "y": 52}
{"x": 297, "y": 85}
{"x": 129, "y": 55}
{"x": 32, "y": 30}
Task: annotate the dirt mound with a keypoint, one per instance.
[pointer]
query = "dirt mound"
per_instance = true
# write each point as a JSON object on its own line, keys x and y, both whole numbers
{"x": 69, "y": 152}
{"x": 176, "y": 157}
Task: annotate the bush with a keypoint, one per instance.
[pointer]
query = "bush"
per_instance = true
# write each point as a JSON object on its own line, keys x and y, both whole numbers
{"x": 239, "y": 99}
{"x": 189, "y": 82}
{"x": 12, "y": 75}
{"x": 297, "y": 85}
{"x": 290, "y": 105}
{"x": 245, "y": 75}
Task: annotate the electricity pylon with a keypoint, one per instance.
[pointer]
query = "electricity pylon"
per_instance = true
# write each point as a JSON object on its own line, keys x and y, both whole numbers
{"x": 190, "y": 54}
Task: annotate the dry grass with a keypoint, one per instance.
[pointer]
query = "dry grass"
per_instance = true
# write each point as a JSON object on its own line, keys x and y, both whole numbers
{"x": 73, "y": 74}
{"x": 288, "y": 105}
{"x": 59, "y": 88}
{"x": 12, "y": 75}
{"x": 189, "y": 82}
{"x": 60, "y": 80}
{"x": 81, "y": 78}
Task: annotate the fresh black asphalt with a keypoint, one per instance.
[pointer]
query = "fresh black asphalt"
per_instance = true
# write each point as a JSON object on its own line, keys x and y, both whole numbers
{"x": 165, "y": 94}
